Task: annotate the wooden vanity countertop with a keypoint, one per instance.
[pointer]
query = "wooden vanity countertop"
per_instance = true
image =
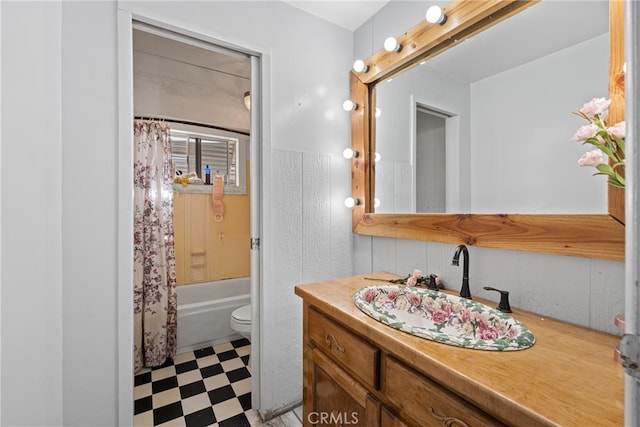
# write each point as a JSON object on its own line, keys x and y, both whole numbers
{"x": 568, "y": 377}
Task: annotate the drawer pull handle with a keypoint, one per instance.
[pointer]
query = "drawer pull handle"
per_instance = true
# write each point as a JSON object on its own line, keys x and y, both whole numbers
{"x": 447, "y": 421}
{"x": 330, "y": 337}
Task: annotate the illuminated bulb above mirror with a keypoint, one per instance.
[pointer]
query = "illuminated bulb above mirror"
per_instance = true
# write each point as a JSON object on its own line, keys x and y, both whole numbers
{"x": 392, "y": 45}
{"x": 348, "y": 153}
{"x": 360, "y": 67}
{"x": 349, "y": 105}
{"x": 351, "y": 202}
{"x": 434, "y": 15}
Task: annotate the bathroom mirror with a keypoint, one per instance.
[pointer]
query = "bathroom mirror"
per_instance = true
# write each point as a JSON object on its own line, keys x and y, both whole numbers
{"x": 462, "y": 132}
{"x": 566, "y": 234}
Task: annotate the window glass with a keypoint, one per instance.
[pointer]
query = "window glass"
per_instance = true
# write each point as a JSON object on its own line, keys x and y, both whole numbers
{"x": 224, "y": 155}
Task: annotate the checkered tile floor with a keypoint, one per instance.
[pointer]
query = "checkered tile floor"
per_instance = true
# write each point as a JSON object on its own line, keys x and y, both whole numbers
{"x": 207, "y": 387}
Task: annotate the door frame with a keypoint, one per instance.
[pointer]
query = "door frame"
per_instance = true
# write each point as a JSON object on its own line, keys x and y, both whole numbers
{"x": 453, "y": 170}
{"x": 126, "y": 20}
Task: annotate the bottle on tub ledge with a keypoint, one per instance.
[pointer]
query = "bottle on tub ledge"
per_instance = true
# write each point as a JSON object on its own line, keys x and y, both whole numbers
{"x": 207, "y": 175}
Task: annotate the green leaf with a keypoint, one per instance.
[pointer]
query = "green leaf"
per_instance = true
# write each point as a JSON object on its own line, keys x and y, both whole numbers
{"x": 605, "y": 169}
{"x": 593, "y": 141}
{"x": 615, "y": 183}
{"x": 619, "y": 142}
{"x": 617, "y": 180}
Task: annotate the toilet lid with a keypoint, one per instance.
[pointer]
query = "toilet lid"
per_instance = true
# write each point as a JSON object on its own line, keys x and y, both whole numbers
{"x": 243, "y": 314}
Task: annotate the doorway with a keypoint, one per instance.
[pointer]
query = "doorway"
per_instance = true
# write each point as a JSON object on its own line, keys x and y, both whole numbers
{"x": 201, "y": 120}
{"x": 434, "y": 158}
{"x": 430, "y": 160}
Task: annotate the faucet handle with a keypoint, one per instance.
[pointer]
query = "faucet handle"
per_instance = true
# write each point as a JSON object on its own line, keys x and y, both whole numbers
{"x": 432, "y": 285}
{"x": 504, "y": 299}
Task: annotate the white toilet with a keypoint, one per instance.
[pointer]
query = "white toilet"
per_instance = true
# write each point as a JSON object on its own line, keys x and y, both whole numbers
{"x": 241, "y": 321}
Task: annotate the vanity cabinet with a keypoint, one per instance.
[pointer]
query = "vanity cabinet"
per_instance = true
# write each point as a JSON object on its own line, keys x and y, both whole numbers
{"x": 426, "y": 403}
{"x": 350, "y": 381}
{"x": 387, "y": 419}
{"x": 360, "y": 372}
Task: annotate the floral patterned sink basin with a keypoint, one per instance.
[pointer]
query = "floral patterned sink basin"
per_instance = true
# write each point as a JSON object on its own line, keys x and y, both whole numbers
{"x": 443, "y": 318}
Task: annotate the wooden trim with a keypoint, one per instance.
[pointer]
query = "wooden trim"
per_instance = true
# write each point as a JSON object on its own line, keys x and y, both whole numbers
{"x": 465, "y": 18}
{"x": 337, "y": 374}
{"x": 360, "y": 170}
{"x": 615, "y": 195}
{"x": 590, "y": 236}
{"x": 373, "y": 412}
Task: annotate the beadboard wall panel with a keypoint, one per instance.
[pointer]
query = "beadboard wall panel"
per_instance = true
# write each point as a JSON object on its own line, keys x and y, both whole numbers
{"x": 309, "y": 224}
{"x": 384, "y": 255}
{"x": 340, "y": 254}
{"x": 606, "y": 293}
{"x": 554, "y": 286}
{"x": 583, "y": 291}
{"x": 411, "y": 257}
{"x": 316, "y": 217}
{"x": 281, "y": 309}
{"x": 362, "y": 254}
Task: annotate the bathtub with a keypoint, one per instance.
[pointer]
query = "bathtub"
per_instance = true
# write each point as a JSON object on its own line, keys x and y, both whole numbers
{"x": 204, "y": 312}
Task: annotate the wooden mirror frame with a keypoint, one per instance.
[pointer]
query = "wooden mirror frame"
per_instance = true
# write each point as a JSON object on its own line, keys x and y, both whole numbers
{"x": 583, "y": 235}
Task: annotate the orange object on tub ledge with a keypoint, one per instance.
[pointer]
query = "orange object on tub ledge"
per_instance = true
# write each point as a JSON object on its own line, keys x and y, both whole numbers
{"x": 216, "y": 198}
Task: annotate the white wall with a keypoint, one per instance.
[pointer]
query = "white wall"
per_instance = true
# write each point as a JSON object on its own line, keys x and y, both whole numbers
{"x": 167, "y": 87}
{"x": 525, "y": 161}
{"x": 578, "y": 290}
{"x": 31, "y": 306}
{"x": 59, "y": 92}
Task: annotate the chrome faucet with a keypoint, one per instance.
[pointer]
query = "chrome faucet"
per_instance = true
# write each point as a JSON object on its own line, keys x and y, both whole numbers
{"x": 464, "y": 292}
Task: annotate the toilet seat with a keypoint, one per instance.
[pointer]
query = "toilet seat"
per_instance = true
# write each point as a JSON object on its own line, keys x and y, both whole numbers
{"x": 242, "y": 314}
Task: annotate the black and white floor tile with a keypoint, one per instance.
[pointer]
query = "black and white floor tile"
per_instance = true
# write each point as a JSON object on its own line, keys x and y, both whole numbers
{"x": 207, "y": 387}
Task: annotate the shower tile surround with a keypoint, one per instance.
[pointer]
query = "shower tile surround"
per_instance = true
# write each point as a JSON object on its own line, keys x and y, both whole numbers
{"x": 206, "y": 387}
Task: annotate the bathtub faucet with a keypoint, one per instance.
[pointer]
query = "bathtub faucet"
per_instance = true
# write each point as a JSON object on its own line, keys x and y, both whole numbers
{"x": 464, "y": 292}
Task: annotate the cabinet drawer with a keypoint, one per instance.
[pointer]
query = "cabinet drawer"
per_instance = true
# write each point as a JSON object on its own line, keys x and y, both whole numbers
{"x": 427, "y": 403}
{"x": 357, "y": 356}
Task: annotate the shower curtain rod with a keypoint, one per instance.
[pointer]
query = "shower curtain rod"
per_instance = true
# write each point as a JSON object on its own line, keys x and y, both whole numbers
{"x": 185, "y": 122}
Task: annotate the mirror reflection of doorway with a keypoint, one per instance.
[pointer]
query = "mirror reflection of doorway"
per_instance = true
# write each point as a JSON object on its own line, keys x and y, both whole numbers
{"x": 430, "y": 160}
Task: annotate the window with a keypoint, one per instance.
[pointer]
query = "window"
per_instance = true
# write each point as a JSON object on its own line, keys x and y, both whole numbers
{"x": 224, "y": 154}
{"x": 220, "y": 156}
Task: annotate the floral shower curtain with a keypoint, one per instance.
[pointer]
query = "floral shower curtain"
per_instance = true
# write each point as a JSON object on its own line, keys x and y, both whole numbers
{"x": 154, "y": 291}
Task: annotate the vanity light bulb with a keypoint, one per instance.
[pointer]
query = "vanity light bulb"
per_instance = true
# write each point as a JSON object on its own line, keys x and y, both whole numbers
{"x": 351, "y": 202}
{"x": 377, "y": 157}
{"x": 348, "y": 105}
{"x": 434, "y": 15}
{"x": 391, "y": 45}
{"x": 360, "y": 67}
{"x": 348, "y": 153}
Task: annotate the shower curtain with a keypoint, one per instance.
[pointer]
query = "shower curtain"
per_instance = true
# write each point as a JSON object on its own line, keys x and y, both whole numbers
{"x": 154, "y": 291}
